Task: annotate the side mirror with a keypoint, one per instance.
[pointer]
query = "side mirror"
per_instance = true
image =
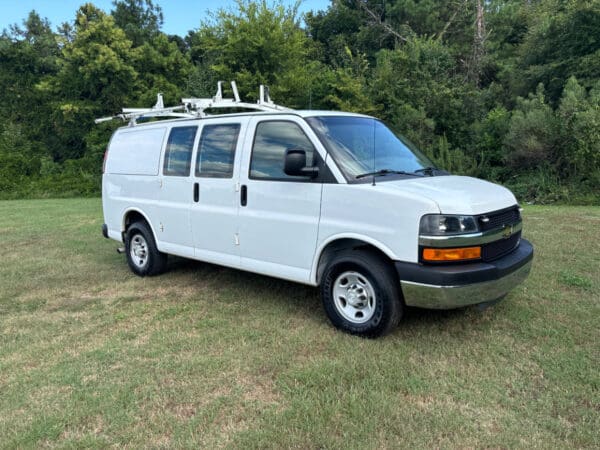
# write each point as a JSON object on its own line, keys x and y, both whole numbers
{"x": 295, "y": 164}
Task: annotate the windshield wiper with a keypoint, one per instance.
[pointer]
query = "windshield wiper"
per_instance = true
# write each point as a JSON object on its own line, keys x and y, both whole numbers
{"x": 384, "y": 172}
{"x": 426, "y": 170}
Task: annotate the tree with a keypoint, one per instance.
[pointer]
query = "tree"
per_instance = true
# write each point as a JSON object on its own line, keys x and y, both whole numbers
{"x": 421, "y": 94}
{"x": 458, "y": 77}
{"x": 27, "y": 56}
{"x": 141, "y": 20}
{"x": 533, "y": 136}
{"x": 18, "y": 161}
{"x": 257, "y": 44}
{"x": 579, "y": 115}
{"x": 563, "y": 40}
{"x": 96, "y": 77}
{"x": 161, "y": 67}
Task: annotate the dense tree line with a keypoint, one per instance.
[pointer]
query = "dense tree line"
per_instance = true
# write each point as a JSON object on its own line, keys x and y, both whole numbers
{"x": 507, "y": 90}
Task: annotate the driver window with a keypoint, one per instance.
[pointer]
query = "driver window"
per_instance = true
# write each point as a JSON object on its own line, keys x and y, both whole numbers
{"x": 271, "y": 140}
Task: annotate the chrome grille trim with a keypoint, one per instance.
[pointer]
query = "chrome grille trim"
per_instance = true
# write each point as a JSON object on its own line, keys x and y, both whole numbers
{"x": 466, "y": 240}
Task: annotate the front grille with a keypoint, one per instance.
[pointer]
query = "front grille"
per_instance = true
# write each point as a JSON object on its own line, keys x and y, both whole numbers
{"x": 500, "y": 218}
{"x": 497, "y": 249}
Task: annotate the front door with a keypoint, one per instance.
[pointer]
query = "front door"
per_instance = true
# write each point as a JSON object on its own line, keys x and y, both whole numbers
{"x": 278, "y": 214}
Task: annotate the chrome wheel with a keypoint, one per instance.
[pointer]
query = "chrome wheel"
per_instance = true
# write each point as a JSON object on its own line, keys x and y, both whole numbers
{"x": 138, "y": 250}
{"x": 354, "y": 297}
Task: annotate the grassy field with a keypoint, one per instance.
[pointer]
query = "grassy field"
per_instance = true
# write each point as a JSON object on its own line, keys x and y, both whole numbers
{"x": 92, "y": 356}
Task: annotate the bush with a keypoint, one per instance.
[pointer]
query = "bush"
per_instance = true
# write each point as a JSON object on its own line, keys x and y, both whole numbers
{"x": 533, "y": 135}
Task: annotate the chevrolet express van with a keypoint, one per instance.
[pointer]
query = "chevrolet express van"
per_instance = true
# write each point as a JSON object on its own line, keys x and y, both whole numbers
{"x": 329, "y": 199}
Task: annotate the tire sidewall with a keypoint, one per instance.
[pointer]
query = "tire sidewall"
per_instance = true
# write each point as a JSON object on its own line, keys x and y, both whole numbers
{"x": 387, "y": 306}
{"x": 142, "y": 229}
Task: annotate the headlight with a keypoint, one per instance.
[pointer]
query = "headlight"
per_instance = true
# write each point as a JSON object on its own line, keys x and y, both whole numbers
{"x": 443, "y": 225}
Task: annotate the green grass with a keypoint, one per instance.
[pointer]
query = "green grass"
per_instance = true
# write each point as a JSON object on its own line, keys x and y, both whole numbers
{"x": 93, "y": 356}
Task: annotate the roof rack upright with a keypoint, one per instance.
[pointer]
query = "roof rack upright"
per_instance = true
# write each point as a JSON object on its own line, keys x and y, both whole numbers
{"x": 196, "y": 107}
{"x": 264, "y": 103}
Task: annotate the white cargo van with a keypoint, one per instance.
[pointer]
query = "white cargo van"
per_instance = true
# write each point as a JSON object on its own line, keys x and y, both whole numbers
{"x": 328, "y": 199}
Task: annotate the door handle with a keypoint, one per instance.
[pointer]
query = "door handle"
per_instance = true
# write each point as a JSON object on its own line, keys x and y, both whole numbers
{"x": 244, "y": 195}
{"x": 196, "y": 192}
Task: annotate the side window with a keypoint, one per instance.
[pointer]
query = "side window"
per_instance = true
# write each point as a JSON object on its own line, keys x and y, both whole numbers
{"x": 179, "y": 151}
{"x": 271, "y": 141}
{"x": 217, "y": 150}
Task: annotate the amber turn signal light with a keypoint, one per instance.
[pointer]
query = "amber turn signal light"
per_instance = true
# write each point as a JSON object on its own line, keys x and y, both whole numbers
{"x": 451, "y": 254}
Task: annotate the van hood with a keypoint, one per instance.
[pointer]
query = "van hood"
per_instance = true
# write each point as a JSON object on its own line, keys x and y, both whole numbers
{"x": 456, "y": 194}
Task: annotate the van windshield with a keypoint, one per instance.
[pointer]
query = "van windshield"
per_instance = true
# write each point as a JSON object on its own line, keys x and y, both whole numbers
{"x": 361, "y": 146}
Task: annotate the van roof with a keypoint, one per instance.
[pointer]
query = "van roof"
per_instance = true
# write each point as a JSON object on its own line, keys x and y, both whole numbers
{"x": 301, "y": 113}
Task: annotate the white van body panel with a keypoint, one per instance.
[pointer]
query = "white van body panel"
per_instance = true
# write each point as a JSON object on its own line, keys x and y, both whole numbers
{"x": 388, "y": 217}
{"x": 215, "y": 216}
{"x": 130, "y": 178}
{"x": 457, "y": 194}
{"x": 338, "y": 237}
{"x": 278, "y": 227}
{"x": 125, "y": 193}
{"x": 136, "y": 151}
{"x": 171, "y": 221}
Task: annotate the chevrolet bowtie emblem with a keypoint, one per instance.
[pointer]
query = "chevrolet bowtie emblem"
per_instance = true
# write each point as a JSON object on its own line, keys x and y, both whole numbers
{"x": 507, "y": 231}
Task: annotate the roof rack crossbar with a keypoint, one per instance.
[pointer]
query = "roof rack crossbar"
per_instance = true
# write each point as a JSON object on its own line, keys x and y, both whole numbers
{"x": 158, "y": 110}
{"x": 196, "y": 107}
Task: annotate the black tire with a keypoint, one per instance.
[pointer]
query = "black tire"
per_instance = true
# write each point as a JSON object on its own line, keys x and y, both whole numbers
{"x": 149, "y": 260}
{"x": 383, "y": 314}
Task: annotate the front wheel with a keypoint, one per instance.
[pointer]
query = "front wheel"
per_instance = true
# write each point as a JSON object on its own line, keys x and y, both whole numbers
{"x": 360, "y": 294}
{"x": 143, "y": 257}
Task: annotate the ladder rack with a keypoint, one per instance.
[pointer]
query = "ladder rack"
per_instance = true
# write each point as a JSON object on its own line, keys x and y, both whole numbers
{"x": 196, "y": 107}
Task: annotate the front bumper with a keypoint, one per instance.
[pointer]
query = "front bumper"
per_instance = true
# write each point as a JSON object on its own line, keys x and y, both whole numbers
{"x": 454, "y": 286}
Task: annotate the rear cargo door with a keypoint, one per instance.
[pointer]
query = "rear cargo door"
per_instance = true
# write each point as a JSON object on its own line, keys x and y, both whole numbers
{"x": 173, "y": 230}
{"x": 214, "y": 209}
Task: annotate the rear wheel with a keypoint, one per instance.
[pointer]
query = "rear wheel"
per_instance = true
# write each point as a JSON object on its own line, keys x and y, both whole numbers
{"x": 143, "y": 257}
{"x": 360, "y": 293}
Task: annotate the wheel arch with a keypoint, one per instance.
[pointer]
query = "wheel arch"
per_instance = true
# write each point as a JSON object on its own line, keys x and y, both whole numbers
{"x": 334, "y": 244}
{"x": 134, "y": 215}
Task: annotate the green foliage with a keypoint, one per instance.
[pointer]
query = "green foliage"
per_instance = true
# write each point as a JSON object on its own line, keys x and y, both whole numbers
{"x": 521, "y": 107}
{"x": 161, "y": 67}
{"x": 563, "y": 40}
{"x": 579, "y": 115}
{"x": 419, "y": 93}
{"x": 17, "y": 160}
{"x": 139, "y": 19}
{"x": 533, "y": 135}
{"x": 452, "y": 160}
{"x": 257, "y": 44}
{"x": 56, "y": 84}
{"x": 558, "y": 150}
{"x": 489, "y": 134}
{"x": 343, "y": 88}
{"x": 96, "y": 65}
